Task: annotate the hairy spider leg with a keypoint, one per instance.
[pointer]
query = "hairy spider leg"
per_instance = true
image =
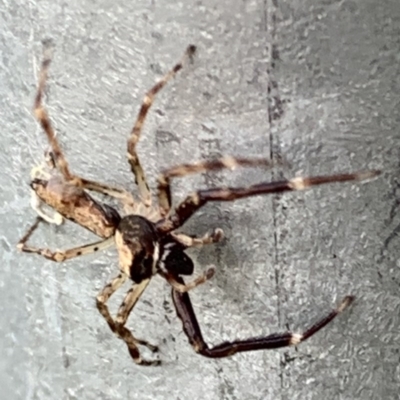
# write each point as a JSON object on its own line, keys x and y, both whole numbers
{"x": 183, "y": 288}
{"x": 118, "y": 325}
{"x": 226, "y": 162}
{"x": 120, "y": 194}
{"x": 60, "y": 161}
{"x": 192, "y": 241}
{"x": 43, "y": 117}
{"x": 61, "y": 255}
{"x": 192, "y": 330}
{"x": 134, "y": 137}
{"x": 196, "y": 200}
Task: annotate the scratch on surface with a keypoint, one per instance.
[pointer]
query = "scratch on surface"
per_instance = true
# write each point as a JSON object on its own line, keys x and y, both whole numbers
{"x": 270, "y": 7}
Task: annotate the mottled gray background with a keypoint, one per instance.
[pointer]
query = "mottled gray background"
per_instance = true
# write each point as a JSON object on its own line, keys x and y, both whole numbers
{"x": 316, "y": 82}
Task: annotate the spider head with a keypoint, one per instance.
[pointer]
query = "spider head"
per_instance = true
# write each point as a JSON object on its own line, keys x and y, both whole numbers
{"x": 138, "y": 248}
{"x": 173, "y": 258}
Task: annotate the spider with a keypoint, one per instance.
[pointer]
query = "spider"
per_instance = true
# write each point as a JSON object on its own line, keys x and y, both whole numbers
{"x": 146, "y": 237}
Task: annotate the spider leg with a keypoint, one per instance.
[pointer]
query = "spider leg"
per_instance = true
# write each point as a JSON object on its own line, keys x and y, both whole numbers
{"x": 126, "y": 307}
{"x": 198, "y": 199}
{"x": 118, "y": 325}
{"x": 185, "y": 287}
{"x": 193, "y": 241}
{"x": 192, "y": 330}
{"x": 227, "y": 162}
{"x": 148, "y": 100}
{"x": 44, "y": 171}
{"x": 57, "y": 156}
{"x": 118, "y": 193}
{"x": 44, "y": 120}
{"x": 103, "y": 297}
{"x": 63, "y": 255}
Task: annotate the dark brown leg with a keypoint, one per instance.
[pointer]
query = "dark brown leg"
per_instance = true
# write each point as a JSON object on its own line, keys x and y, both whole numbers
{"x": 192, "y": 330}
{"x": 148, "y": 100}
{"x": 227, "y": 162}
{"x": 198, "y": 199}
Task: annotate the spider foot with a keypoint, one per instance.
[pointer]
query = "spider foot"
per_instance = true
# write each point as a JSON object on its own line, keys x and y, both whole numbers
{"x": 133, "y": 351}
{"x": 217, "y": 235}
{"x": 122, "y": 332}
{"x": 132, "y": 344}
{"x": 191, "y": 49}
{"x": 153, "y": 348}
{"x": 141, "y": 361}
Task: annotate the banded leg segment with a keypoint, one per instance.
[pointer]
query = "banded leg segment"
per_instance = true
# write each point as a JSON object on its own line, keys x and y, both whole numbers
{"x": 148, "y": 100}
{"x": 103, "y": 297}
{"x": 112, "y": 191}
{"x": 227, "y": 162}
{"x": 57, "y": 157}
{"x": 198, "y": 199}
{"x": 185, "y": 287}
{"x": 118, "y": 325}
{"x": 61, "y": 255}
{"x": 193, "y": 241}
{"x": 44, "y": 120}
{"x": 192, "y": 330}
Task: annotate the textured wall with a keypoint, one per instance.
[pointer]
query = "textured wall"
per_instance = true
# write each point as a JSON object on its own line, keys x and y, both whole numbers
{"x": 315, "y": 82}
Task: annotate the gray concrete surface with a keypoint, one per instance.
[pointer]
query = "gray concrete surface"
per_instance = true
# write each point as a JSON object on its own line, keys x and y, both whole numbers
{"x": 315, "y": 82}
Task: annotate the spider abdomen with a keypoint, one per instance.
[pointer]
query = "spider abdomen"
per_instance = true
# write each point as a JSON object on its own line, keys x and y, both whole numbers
{"x": 75, "y": 204}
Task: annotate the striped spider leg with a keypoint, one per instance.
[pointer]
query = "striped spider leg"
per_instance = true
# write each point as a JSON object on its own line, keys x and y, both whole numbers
{"x": 134, "y": 137}
{"x": 186, "y": 314}
{"x": 198, "y": 199}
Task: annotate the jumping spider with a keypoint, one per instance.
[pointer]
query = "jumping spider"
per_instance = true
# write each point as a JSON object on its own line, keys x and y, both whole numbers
{"x": 146, "y": 236}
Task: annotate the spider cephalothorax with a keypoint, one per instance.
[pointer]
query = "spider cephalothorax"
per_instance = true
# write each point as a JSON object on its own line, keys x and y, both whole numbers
{"x": 143, "y": 252}
{"x": 146, "y": 238}
{"x": 138, "y": 247}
